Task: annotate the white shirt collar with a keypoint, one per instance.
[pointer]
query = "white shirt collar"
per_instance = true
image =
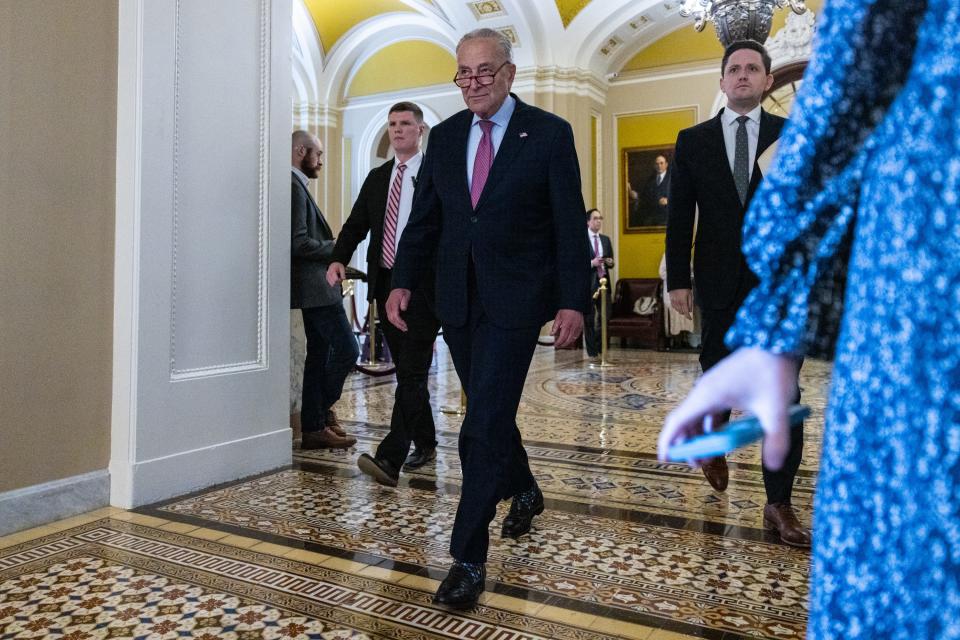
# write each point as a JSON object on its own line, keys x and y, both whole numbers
{"x": 502, "y": 116}
{"x": 729, "y": 116}
{"x": 301, "y": 176}
{"x": 412, "y": 163}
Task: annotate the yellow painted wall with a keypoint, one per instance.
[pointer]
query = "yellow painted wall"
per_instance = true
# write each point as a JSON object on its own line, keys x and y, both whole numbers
{"x": 594, "y": 131}
{"x": 390, "y": 70}
{"x": 639, "y": 253}
{"x": 335, "y": 18}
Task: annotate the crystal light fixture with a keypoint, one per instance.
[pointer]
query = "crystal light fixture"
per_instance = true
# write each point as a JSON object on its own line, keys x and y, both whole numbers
{"x": 737, "y": 19}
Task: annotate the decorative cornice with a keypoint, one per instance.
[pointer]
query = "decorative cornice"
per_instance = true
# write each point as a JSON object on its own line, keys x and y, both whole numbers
{"x": 563, "y": 80}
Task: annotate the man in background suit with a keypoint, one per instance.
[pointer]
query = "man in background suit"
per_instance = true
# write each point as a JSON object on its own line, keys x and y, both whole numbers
{"x": 331, "y": 346}
{"x": 600, "y": 264}
{"x": 382, "y": 210}
{"x": 714, "y": 168}
{"x": 649, "y": 207}
{"x": 499, "y": 212}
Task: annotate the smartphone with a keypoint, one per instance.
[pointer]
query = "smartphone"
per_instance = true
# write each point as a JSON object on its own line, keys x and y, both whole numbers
{"x": 735, "y": 434}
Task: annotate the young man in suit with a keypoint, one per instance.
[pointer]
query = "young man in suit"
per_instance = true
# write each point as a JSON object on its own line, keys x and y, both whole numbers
{"x": 714, "y": 169}
{"x": 331, "y": 346}
{"x": 600, "y": 264}
{"x": 382, "y": 209}
{"x": 499, "y": 213}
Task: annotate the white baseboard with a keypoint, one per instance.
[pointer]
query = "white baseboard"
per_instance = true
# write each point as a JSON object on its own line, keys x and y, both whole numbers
{"x": 174, "y": 475}
{"x": 44, "y": 503}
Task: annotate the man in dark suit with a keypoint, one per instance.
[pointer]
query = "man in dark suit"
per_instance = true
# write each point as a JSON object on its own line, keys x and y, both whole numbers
{"x": 714, "y": 169}
{"x": 600, "y": 264}
{"x": 331, "y": 346}
{"x": 649, "y": 207}
{"x": 382, "y": 209}
{"x": 500, "y": 213}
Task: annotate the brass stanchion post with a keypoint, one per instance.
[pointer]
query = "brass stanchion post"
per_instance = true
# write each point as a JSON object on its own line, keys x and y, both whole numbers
{"x": 457, "y": 411}
{"x": 372, "y": 335}
{"x": 602, "y": 294}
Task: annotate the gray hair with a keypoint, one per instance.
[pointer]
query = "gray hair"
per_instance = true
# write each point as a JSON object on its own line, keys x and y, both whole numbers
{"x": 503, "y": 42}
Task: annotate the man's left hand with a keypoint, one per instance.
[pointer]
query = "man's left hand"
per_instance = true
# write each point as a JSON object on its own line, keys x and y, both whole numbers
{"x": 567, "y": 327}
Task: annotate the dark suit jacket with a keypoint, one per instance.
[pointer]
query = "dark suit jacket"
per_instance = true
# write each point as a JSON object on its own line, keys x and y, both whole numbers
{"x": 367, "y": 215}
{"x": 525, "y": 237}
{"x": 607, "y": 247}
{"x": 701, "y": 177}
{"x": 650, "y": 212}
{"x": 311, "y": 248}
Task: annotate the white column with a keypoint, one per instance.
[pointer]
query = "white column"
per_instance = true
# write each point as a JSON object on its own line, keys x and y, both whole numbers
{"x": 201, "y": 321}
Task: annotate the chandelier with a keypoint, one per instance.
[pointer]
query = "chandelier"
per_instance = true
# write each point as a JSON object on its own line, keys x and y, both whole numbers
{"x": 737, "y": 19}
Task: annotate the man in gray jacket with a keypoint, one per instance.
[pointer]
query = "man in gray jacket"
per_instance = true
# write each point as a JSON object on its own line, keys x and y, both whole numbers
{"x": 331, "y": 346}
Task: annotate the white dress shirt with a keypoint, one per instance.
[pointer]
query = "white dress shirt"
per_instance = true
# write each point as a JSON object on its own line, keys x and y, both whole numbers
{"x": 591, "y": 235}
{"x": 406, "y": 193}
{"x": 730, "y": 125}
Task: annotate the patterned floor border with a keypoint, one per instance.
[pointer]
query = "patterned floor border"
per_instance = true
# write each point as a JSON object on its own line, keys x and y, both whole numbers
{"x": 198, "y": 586}
{"x": 640, "y": 602}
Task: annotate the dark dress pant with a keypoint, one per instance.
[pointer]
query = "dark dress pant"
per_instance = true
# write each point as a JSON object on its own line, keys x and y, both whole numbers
{"x": 332, "y": 352}
{"x": 714, "y": 324}
{"x": 412, "y": 353}
{"x": 492, "y": 364}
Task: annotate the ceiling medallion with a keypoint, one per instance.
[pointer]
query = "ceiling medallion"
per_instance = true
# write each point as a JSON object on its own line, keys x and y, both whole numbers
{"x": 488, "y": 9}
{"x": 737, "y": 19}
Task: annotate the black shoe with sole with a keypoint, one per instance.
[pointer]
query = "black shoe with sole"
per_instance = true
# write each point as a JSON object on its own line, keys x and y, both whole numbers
{"x": 520, "y": 518}
{"x": 460, "y": 589}
{"x": 420, "y": 457}
{"x": 381, "y": 470}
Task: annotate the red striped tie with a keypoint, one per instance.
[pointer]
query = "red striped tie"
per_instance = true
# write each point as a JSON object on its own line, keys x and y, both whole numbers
{"x": 390, "y": 221}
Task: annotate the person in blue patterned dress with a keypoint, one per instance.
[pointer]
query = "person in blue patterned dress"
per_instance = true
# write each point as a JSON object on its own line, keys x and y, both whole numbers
{"x": 855, "y": 236}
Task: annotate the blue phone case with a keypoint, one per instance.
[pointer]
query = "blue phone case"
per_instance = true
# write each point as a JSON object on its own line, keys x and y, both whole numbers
{"x": 734, "y": 435}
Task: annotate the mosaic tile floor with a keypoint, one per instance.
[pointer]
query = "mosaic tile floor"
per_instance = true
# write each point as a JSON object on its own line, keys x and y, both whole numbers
{"x": 627, "y": 547}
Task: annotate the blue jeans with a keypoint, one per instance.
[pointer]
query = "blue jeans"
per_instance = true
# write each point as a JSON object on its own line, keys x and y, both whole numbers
{"x": 332, "y": 352}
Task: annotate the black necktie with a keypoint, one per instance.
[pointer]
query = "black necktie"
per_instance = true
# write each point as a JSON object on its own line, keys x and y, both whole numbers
{"x": 741, "y": 168}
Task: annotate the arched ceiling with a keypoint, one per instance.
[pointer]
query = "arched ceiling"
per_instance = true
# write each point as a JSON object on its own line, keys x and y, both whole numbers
{"x": 602, "y": 37}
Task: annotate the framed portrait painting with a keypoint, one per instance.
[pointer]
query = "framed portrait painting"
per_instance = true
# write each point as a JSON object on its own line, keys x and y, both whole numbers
{"x": 646, "y": 188}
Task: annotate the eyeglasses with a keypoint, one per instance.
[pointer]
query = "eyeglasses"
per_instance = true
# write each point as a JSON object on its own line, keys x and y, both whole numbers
{"x": 483, "y": 79}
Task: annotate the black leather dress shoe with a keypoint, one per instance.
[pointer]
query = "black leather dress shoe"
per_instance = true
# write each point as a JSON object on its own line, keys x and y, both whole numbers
{"x": 381, "y": 470}
{"x": 420, "y": 457}
{"x": 459, "y": 590}
{"x": 519, "y": 519}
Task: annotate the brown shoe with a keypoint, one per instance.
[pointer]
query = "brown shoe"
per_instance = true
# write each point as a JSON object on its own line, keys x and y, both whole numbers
{"x": 715, "y": 469}
{"x": 326, "y": 439}
{"x": 333, "y": 424}
{"x": 781, "y": 517}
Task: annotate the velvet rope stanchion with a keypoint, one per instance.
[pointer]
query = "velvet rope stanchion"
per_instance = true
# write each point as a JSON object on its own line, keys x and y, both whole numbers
{"x": 602, "y": 294}
{"x": 457, "y": 411}
{"x": 371, "y": 366}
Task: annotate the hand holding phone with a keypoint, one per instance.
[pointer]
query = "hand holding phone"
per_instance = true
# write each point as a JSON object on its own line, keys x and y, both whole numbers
{"x": 735, "y": 434}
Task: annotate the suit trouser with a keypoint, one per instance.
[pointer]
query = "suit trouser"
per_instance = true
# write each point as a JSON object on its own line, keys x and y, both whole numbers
{"x": 412, "y": 352}
{"x": 332, "y": 352}
{"x": 715, "y": 323}
{"x": 492, "y": 363}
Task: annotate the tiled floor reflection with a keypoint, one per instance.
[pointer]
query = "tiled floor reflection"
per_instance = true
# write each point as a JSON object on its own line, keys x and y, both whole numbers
{"x": 628, "y": 547}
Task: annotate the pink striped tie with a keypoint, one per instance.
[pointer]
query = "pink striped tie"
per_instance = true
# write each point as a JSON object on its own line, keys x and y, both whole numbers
{"x": 596, "y": 253}
{"x": 389, "y": 253}
{"x": 482, "y": 162}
